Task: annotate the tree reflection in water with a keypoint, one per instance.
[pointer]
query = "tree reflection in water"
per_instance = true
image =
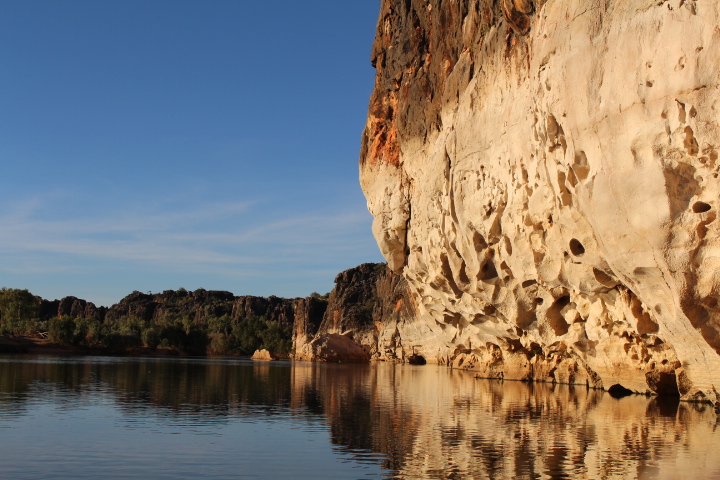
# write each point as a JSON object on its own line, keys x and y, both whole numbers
{"x": 426, "y": 421}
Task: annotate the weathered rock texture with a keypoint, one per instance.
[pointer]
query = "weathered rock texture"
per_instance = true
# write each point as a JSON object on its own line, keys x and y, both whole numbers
{"x": 544, "y": 176}
{"x": 71, "y": 306}
{"x": 309, "y": 314}
{"x": 363, "y": 314}
{"x": 263, "y": 356}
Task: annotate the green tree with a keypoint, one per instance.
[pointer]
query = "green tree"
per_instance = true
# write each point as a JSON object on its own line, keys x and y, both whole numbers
{"x": 18, "y": 311}
{"x": 196, "y": 341}
{"x": 245, "y": 335}
{"x": 130, "y": 327}
{"x": 275, "y": 337}
{"x": 87, "y": 331}
{"x": 123, "y": 333}
{"x": 151, "y": 337}
{"x": 61, "y": 329}
{"x": 219, "y": 344}
{"x": 172, "y": 336}
{"x": 187, "y": 323}
{"x": 219, "y": 330}
{"x": 220, "y": 325}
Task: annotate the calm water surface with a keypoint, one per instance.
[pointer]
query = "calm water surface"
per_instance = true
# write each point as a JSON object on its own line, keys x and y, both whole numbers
{"x": 217, "y": 418}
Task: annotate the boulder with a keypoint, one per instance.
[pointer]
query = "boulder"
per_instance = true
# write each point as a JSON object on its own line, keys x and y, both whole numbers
{"x": 263, "y": 355}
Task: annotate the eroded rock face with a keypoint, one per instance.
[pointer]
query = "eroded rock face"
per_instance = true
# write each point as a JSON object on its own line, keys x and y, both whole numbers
{"x": 308, "y": 317}
{"x": 364, "y": 312}
{"x": 544, "y": 176}
{"x": 333, "y": 347}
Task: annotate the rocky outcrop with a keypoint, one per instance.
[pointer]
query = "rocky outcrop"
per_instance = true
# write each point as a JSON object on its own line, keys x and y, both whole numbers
{"x": 333, "y": 347}
{"x": 198, "y": 306}
{"x": 70, "y": 306}
{"x": 360, "y": 322}
{"x": 79, "y": 308}
{"x": 544, "y": 175}
{"x": 263, "y": 356}
{"x": 308, "y": 317}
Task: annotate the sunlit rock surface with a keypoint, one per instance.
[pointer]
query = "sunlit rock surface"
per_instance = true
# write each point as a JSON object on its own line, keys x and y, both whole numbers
{"x": 263, "y": 355}
{"x": 544, "y": 176}
{"x": 362, "y": 315}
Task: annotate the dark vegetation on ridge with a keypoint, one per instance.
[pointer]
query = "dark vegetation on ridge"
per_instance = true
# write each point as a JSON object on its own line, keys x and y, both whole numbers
{"x": 190, "y": 322}
{"x": 174, "y": 321}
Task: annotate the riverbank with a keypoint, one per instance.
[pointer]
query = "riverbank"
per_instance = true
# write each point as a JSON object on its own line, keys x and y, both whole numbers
{"x": 39, "y": 345}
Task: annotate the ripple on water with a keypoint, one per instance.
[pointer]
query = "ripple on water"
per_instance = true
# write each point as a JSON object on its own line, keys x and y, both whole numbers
{"x": 232, "y": 418}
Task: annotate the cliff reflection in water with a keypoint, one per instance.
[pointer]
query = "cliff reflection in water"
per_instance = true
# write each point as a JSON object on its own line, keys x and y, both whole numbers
{"x": 439, "y": 423}
{"x": 427, "y": 421}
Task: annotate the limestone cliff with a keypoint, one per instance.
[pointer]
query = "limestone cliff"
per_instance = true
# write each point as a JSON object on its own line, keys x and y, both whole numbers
{"x": 544, "y": 174}
{"x": 71, "y": 306}
{"x": 365, "y": 309}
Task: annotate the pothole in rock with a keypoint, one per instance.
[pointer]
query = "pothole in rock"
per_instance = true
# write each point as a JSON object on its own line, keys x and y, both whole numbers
{"x": 701, "y": 207}
{"x": 576, "y": 248}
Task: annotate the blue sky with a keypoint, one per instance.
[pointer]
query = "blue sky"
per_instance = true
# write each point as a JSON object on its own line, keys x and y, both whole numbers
{"x": 165, "y": 144}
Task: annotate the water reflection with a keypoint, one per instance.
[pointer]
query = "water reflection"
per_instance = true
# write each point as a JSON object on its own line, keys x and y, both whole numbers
{"x": 411, "y": 421}
{"x": 435, "y": 423}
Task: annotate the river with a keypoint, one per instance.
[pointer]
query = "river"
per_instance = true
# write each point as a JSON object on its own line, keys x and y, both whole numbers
{"x": 218, "y": 418}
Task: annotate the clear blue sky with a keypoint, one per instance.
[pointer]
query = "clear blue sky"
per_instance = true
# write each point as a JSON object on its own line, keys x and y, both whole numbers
{"x": 153, "y": 145}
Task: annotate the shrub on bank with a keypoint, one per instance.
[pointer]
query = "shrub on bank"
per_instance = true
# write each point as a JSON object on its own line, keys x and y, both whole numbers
{"x": 151, "y": 337}
{"x": 61, "y": 329}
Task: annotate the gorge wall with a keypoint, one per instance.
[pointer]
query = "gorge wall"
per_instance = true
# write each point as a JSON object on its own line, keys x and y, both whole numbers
{"x": 179, "y": 321}
{"x": 544, "y": 176}
{"x": 197, "y": 306}
{"x": 364, "y": 311}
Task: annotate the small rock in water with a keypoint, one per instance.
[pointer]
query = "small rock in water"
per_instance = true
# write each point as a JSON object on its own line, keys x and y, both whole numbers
{"x": 263, "y": 355}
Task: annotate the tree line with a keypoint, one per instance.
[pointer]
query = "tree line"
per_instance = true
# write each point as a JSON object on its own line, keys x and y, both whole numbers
{"x": 218, "y": 335}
